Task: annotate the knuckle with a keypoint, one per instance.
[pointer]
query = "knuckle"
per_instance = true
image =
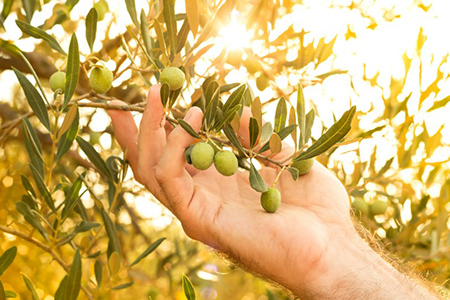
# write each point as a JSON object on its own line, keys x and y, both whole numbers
{"x": 160, "y": 175}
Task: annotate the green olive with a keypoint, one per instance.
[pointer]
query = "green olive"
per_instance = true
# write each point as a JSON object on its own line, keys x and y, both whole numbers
{"x": 378, "y": 207}
{"x": 226, "y": 162}
{"x": 102, "y": 8}
{"x": 58, "y": 81}
{"x": 101, "y": 79}
{"x": 174, "y": 77}
{"x": 361, "y": 206}
{"x": 303, "y": 166}
{"x": 202, "y": 156}
{"x": 271, "y": 200}
{"x": 262, "y": 82}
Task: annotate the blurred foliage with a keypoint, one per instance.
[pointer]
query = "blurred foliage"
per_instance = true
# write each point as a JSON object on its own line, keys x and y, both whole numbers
{"x": 394, "y": 155}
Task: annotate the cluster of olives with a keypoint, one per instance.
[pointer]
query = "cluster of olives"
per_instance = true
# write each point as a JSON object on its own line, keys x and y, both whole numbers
{"x": 378, "y": 207}
{"x": 100, "y": 79}
{"x": 203, "y": 154}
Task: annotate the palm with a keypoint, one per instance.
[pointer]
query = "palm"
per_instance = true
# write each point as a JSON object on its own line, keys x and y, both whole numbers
{"x": 235, "y": 223}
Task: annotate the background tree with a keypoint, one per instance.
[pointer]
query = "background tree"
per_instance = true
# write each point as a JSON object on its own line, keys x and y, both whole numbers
{"x": 77, "y": 210}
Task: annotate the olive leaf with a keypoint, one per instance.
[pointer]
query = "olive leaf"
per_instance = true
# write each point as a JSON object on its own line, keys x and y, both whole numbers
{"x": 333, "y": 135}
{"x": 309, "y": 121}
{"x": 114, "y": 244}
{"x": 67, "y": 138}
{"x": 7, "y": 258}
{"x": 123, "y": 286}
{"x": 254, "y": 132}
{"x": 192, "y": 15}
{"x": 185, "y": 125}
{"x": 68, "y": 120}
{"x": 294, "y": 172}
{"x": 24, "y": 209}
{"x": 292, "y": 121}
{"x": 280, "y": 115}
{"x": 145, "y": 33}
{"x": 73, "y": 70}
{"x": 188, "y": 288}
{"x": 256, "y": 181}
{"x": 131, "y": 8}
{"x": 301, "y": 115}
{"x": 27, "y": 185}
{"x": 34, "y": 99}
{"x": 40, "y": 34}
{"x": 33, "y": 146}
{"x": 98, "y": 270}
{"x": 2, "y": 291}
{"x": 73, "y": 282}
{"x": 94, "y": 157}
{"x": 235, "y": 98}
{"x": 30, "y": 286}
{"x": 147, "y": 251}
{"x": 171, "y": 23}
{"x": 42, "y": 188}
{"x": 182, "y": 36}
{"x": 231, "y": 135}
{"x": 72, "y": 197}
{"x": 228, "y": 87}
{"x": 7, "y": 4}
{"x": 275, "y": 144}
{"x": 164, "y": 93}
{"x": 91, "y": 27}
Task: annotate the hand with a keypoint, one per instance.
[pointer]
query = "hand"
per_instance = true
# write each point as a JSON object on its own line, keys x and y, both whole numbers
{"x": 306, "y": 246}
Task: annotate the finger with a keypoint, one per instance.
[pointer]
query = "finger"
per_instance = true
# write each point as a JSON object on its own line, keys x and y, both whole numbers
{"x": 126, "y": 132}
{"x": 152, "y": 135}
{"x": 176, "y": 183}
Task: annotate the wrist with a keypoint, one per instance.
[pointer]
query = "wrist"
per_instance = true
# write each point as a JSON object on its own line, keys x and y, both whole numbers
{"x": 350, "y": 269}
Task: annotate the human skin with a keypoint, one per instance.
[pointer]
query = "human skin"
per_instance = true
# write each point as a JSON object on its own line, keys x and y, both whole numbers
{"x": 310, "y": 245}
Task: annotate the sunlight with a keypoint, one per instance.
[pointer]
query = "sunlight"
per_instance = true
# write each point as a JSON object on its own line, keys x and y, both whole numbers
{"x": 235, "y": 35}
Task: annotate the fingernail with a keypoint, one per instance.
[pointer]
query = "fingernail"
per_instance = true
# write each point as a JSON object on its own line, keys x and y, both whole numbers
{"x": 189, "y": 115}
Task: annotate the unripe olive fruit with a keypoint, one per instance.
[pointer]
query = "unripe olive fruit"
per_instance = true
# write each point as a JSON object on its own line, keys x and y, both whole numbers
{"x": 252, "y": 64}
{"x": 101, "y": 79}
{"x": 262, "y": 82}
{"x": 303, "y": 166}
{"x": 361, "y": 206}
{"x": 202, "y": 155}
{"x": 102, "y": 8}
{"x": 226, "y": 162}
{"x": 58, "y": 81}
{"x": 174, "y": 77}
{"x": 271, "y": 200}
{"x": 378, "y": 207}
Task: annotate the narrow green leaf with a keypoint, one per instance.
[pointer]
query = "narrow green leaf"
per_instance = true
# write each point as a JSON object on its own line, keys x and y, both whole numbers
{"x": 228, "y": 117}
{"x": 145, "y": 33}
{"x": 293, "y": 121}
{"x": 254, "y": 131}
{"x": 91, "y": 27}
{"x": 30, "y": 201}
{"x": 164, "y": 93}
{"x": 386, "y": 167}
{"x": 68, "y": 120}
{"x": 61, "y": 291}
{"x": 24, "y": 209}
{"x": 160, "y": 36}
{"x": 185, "y": 125}
{"x": 188, "y": 288}
{"x": 31, "y": 143}
{"x": 147, "y": 251}
{"x": 10, "y": 294}
{"x": 131, "y": 8}
{"x": 309, "y": 121}
{"x": 256, "y": 181}
{"x": 2, "y": 291}
{"x": 67, "y": 138}
{"x": 27, "y": 185}
{"x": 333, "y": 135}
{"x": 123, "y": 286}
{"x": 7, "y": 258}
{"x": 235, "y": 98}
{"x": 73, "y": 69}
{"x": 284, "y": 133}
{"x": 257, "y": 112}
{"x": 212, "y": 101}
{"x": 182, "y": 36}
{"x": 42, "y": 188}
{"x": 72, "y": 198}
{"x": 94, "y": 157}
{"x": 173, "y": 97}
{"x": 40, "y": 34}
{"x": 294, "y": 172}
{"x": 98, "y": 270}
{"x": 30, "y": 287}
{"x": 232, "y": 137}
{"x": 33, "y": 146}
{"x": 114, "y": 263}
{"x": 73, "y": 284}
{"x": 280, "y": 115}
{"x": 34, "y": 99}
{"x": 85, "y": 226}
{"x": 114, "y": 243}
{"x": 301, "y": 115}
{"x": 227, "y": 87}
{"x": 171, "y": 23}
{"x": 7, "y": 4}
{"x": 29, "y": 6}
{"x": 211, "y": 90}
